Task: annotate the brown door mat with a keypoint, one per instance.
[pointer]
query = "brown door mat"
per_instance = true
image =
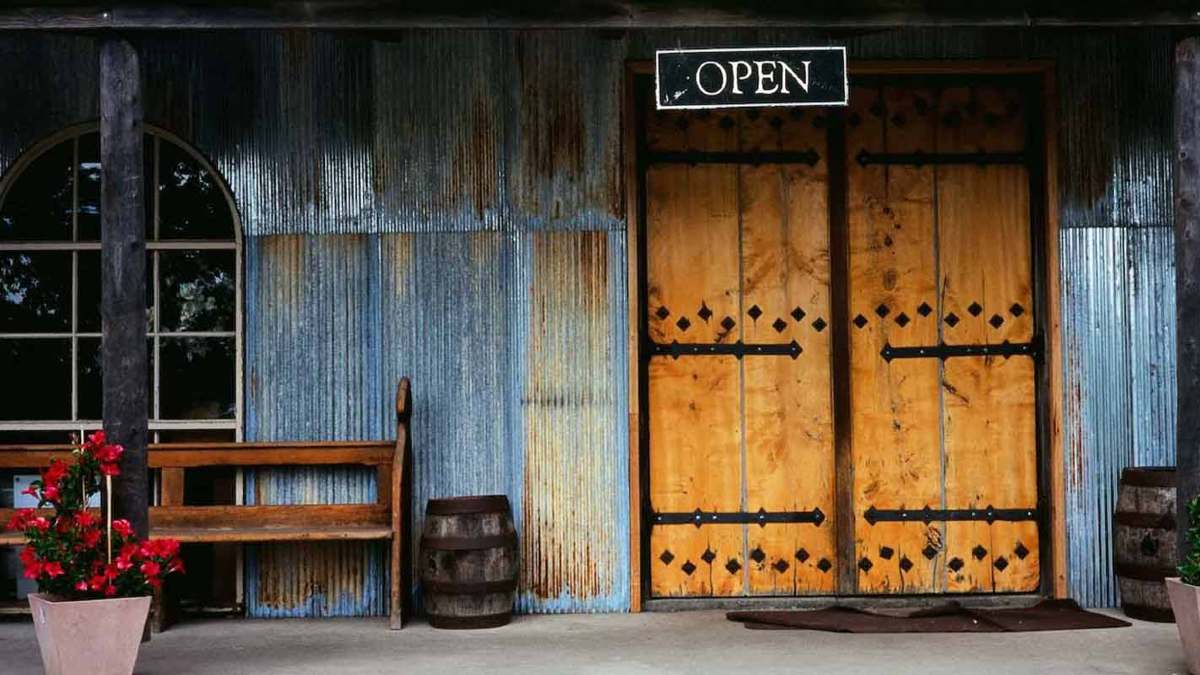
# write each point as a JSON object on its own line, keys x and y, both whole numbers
{"x": 950, "y": 617}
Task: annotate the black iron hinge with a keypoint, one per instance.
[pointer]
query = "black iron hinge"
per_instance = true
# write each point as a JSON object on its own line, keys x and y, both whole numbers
{"x": 738, "y": 349}
{"x": 920, "y": 158}
{"x": 945, "y": 351}
{"x": 988, "y": 514}
{"x": 762, "y": 517}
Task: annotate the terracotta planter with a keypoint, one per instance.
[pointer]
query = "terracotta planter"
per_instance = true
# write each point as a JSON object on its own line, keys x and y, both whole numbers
{"x": 99, "y": 637}
{"x": 1185, "y": 602}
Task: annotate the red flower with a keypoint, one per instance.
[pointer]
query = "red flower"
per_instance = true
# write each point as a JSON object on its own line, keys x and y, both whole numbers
{"x": 110, "y": 590}
{"x": 40, "y": 523}
{"x": 110, "y": 454}
{"x": 85, "y": 519}
{"x": 54, "y": 474}
{"x": 50, "y": 493}
{"x": 97, "y": 438}
{"x": 110, "y": 469}
{"x": 81, "y": 587}
{"x": 176, "y": 565}
{"x": 91, "y": 538}
{"x": 31, "y": 490}
{"x": 52, "y": 569}
{"x": 151, "y": 568}
{"x": 20, "y": 520}
{"x": 33, "y": 570}
{"x": 122, "y": 527}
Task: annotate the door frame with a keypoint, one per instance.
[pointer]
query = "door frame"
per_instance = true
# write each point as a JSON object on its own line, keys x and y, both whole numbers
{"x": 1051, "y": 474}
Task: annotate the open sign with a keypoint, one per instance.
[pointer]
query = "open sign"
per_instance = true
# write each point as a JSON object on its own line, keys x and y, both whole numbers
{"x": 750, "y": 77}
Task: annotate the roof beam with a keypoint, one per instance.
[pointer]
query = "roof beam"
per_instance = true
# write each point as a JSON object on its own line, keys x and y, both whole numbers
{"x": 617, "y": 14}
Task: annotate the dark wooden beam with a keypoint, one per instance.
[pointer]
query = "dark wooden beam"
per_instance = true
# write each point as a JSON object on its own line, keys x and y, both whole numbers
{"x": 1187, "y": 275}
{"x": 123, "y": 275}
{"x": 609, "y": 14}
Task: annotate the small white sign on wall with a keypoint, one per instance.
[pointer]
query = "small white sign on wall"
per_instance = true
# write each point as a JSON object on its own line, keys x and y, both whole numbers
{"x": 21, "y": 483}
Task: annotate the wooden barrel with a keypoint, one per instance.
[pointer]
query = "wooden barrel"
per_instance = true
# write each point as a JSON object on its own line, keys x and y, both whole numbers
{"x": 468, "y": 562}
{"x": 1144, "y": 541}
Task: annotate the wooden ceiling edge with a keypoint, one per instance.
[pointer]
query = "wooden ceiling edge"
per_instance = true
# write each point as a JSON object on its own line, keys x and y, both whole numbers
{"x": 334, "y": 15}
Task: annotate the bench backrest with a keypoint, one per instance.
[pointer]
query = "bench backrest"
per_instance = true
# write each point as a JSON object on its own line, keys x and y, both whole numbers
{"x": 172, "y": 459}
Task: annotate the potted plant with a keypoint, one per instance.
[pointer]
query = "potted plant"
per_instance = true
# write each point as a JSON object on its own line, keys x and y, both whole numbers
{"x": 95, "y": 577}
{"x": 1184, "y": 591}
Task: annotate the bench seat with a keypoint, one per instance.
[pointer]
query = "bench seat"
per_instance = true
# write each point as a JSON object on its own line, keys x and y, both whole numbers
{"x": 384, "y": 520}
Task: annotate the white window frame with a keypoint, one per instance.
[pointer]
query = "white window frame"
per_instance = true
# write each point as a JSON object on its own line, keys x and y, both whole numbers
{"x": 156, "y": 423}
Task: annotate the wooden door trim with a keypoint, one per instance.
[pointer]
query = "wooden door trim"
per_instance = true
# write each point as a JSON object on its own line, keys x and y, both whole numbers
{"x": 1051, "y": 387}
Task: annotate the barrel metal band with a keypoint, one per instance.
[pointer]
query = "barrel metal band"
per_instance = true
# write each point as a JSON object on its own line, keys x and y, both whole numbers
{"x": 945, "y": 351}
{"x": 469, "y": 587}
{"x": 474, "y": 621}
{"x": 468, "y": 543}
{"x": 462, "y": 505}
{"x": 919, "y": 158}
{"x": 1149, "y": 572}
{"x": 736, "y": 349}
{"x": 988, "y": 514}
{"x": 1158, "y": 521}
{"x": 762, "y": 517}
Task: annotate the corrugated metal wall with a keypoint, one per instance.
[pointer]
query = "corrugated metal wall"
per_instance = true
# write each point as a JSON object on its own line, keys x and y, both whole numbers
{"x": 448, "y": 206}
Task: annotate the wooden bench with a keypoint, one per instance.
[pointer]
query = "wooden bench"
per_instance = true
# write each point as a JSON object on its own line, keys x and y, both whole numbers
{"x": 386, "y": 519}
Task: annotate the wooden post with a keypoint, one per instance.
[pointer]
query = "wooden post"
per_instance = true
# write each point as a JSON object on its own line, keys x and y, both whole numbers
{"x": 1187, "y": 277}
{"x": 123, "y": 275}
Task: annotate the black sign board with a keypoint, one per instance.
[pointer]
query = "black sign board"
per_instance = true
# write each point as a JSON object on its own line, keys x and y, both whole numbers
{"x": 752, "y": 77}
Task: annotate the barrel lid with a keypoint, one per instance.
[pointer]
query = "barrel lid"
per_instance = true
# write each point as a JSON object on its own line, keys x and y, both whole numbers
{"x": 478, "y": 504}
{"x": 1149, "y": 476}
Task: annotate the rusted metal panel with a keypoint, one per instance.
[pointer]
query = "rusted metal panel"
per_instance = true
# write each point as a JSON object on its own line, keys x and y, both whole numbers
{"x": 515, "y": 347}
{"x": 575, "y": 502}
{"x": 313, "y": 373}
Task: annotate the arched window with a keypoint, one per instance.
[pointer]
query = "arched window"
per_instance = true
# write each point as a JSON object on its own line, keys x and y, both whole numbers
{"x": 50, "y": 292}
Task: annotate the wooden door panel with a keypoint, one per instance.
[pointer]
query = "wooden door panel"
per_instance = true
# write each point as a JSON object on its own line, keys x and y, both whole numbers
{"x": 988, "y": 401}
{"x": 940, "y": 259}
{"x": 695, "y": 449}
{"x": 895, "y": 423}
{"x": 692, "y": 254}
{"x": 687, "y": 561}
{"x": 789, "y": 434}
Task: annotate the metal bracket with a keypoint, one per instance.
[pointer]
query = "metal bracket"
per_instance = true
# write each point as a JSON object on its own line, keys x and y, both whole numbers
{"x": 920, "y": 158}
{"x": 988, "y": 514}
{"x": 945, "y": 351}
{"x": 737, "y": 349}
{"x": 809, "y": 157}
{"x": 761, "y": 517}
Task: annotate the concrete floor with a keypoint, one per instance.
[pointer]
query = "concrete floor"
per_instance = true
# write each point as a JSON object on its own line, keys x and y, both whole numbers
{"x": 688, "y": 643}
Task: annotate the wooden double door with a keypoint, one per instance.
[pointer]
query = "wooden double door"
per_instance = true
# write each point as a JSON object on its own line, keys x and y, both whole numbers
{"x": 840, "y": 343}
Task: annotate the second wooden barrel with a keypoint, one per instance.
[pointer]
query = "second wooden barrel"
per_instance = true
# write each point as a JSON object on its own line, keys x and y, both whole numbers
{"x": 1144, "y": 541}
{"x": 469, "y": 562}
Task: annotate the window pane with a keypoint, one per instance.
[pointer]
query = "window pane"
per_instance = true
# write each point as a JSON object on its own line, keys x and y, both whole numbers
{"x": 37, "y": 376}
{"x": 89, "y": 291}
{"x": 191, "y": 203}
{"x": 23, "y": 437}
{"x": 35, "y": 292}
{"x": 90, "y": 383}
{"x": 38, "y": 204}
{"x": 196, "y": 379}
{"x": 197, "y": 290}
{"x": 89, "y": 186}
